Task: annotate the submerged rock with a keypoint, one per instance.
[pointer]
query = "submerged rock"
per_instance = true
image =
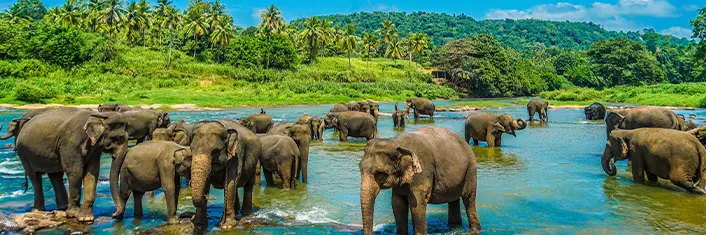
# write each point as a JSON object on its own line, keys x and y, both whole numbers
{"x": 36, "y": 220}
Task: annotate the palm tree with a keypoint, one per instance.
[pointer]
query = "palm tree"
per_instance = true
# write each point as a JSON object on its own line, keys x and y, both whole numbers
{"x": 312, "y": 33}
{"x": 112, "y": 15}
{"x": 370, "y": 43}
{"x": 161, "y": 12}
{"x": 135, "y": 21}
{"x": 394, "y": 49}
{"x": 272, "y": 21}
{"x": 53, "y": 15}
{"x": 171, "y": 21}
{"x": 144, "y": 12}
{"x": 326, "y": 34}
{"x": 91, "y": 14}
{"x": 69, "y": 16}
{"x": 387, "y": 31}
{"x": 197, "y": 26}
{"x": 221, "y": 36}
{"x": 216, "y": 15}
{"x": 350, "y": 42}
{"x": 418, "y": 43}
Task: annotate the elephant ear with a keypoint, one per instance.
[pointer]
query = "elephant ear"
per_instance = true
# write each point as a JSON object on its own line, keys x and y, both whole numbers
{"x": 499, "y": 127}
{"x": 95, "y": 127}
{"x": 409, "y": 163}
{"x": 181, "y": 155}
{"x": 624, "y": 147}
{"x": 232, "y": 142}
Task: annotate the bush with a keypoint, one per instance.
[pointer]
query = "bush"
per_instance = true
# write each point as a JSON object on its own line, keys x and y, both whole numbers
{"x": 28, "y": 92}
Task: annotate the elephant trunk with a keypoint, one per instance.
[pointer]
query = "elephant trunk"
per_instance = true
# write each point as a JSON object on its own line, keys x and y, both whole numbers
{"x": 608, "y": 165}
{"x": 320, "y": 132}
{"x": 369, "y": 190}
{"x": 200, "y": 171}
{"x": 7, "y": 135}
{"x": 118, "y": 159}
{"x": 520, "y": 124}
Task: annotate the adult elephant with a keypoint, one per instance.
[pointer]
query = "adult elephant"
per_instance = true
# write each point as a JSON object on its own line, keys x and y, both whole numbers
{"x": 259, "y": 123}
{"x": 431, "y": 165}
{"x": 141, "y": 123}
{"x": 353, "y": 106}
{"x": 181, "y": 132}
{"x": 300, "y": 134}
{"x": 595, "y": 111}
{"x": 13, "y": 129}
{"x": 225, "y": 156}
{"x": 280, "y": 155}
{"x": 658, "y": 153}
{"x": 353, "y": 124}
{"x": 371, "y": 107}
{"x": 71, "y": 141}
{"x": 421, "y": 106}
{"x": 113, "y": 108}
{"x": 488, "y": 127}
{"x": 337, "y": 108}
{"x": 640, "y": 117}
{"x": 316, "y": 126}
{"x": 540, "y": 107}
{"x": 281, "y": 128}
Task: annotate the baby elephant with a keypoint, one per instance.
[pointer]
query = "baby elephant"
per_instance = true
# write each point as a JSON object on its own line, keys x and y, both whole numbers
{"x": 280, "y": 155}
{"x": 149, "y": 166}
{"x": 668, "y": 154}
{"x": 399, "y": 117}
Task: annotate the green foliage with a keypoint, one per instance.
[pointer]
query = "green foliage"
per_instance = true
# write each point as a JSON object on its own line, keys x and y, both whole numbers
{"x": 687, "y": 94}
{"x": 273, "y": 51}
{"x": 27, "y": 9}
{"x": 624, "y": 62}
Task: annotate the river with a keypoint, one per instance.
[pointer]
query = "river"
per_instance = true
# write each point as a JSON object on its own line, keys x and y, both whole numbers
{"x": 548, "y": 179}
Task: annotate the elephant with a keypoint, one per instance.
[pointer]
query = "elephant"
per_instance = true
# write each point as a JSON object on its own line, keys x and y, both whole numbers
{"x": 539, "y": 106}
{"x": 149, "y": 166}
{"x": 280, "y": 155}
{"x": 640, "y": 117}
{"x": 688, "y": 125}
{"x": 699, "y": 132}
{"x": 399, "y": 118}
{"x": 421, "y": 106}
{"x": 113, "y": 108}
{"x": 224, "y": 155}
{"x": 353, "y": 124}
{"x": 431, "y": 165}
{"x": 142, "y": 123}
{"x": 315, "y": 125}
{"x": 258, "y": 123}
{"x": 337, "y": 108}
{"x": 13, "y": 129}
{"x": 181, "y": 132}
{"x": 371, "y": 107}
{"x": 71, "y": 141}
{"x": 353, "y": 106}
{"x": 300, "y": 134}
{"x": 595, "y": 111}
{"x": 488, "y": 127}
{"x": 281, "y": 128}
{"x": 656, "y": 152}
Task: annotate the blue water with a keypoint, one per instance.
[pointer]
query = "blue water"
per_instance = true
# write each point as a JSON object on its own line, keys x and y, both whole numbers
{"x": 548, "y": 179}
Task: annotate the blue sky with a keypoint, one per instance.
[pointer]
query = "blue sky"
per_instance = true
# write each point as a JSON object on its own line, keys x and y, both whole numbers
{"x": 665, "y": 16}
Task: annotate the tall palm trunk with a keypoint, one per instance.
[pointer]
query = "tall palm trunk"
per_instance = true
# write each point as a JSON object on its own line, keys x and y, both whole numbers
{"x": 195, "y": 41}
{"x": 169, "y": 56}
{"x": 349, "y": 60}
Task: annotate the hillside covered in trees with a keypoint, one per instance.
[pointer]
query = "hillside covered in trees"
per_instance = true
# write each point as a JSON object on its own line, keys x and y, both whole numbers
{"x": 517, "y": 34}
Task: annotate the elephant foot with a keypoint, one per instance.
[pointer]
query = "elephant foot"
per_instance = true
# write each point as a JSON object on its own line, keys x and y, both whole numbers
{"x": 173, "y": 220}
{"x": 119, "y": 214}
{"x": 228, "y": 223}
{"x": 700, "y": 191}
{"x": 85, "y": 216}
{"x": 72, "y": 212}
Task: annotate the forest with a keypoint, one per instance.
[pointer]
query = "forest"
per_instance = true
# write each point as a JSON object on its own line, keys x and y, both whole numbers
{"x": 91, "y": 51}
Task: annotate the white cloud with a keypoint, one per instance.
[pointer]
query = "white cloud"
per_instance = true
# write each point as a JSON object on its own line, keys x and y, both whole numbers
{"x": 680, "y": 32}
{"x": 559, "y": 11}
{"x": 692, "y": 7}
{"x": 256, "y": 14}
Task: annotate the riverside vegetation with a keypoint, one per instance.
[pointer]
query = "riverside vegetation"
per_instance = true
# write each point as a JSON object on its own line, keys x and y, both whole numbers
{"x": 139, "y": 53}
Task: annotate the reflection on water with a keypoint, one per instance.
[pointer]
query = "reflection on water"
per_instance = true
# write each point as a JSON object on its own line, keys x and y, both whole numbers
{"x": 548, "y": 179}
{"x": 537, "y": 124}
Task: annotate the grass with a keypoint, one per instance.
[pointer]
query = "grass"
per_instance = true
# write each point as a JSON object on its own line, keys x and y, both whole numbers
{"x": 479, "y": 103}
{"x": 138, "y": 76}
{"x": 676, "y": 95}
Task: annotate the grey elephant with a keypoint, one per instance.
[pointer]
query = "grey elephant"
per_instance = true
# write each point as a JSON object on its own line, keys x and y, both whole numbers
{"x": 181, "y": 132}
{"x": 149, "y": 166}
{"x": 299, "y": 134}
{"x": 13, "y": 129}
{"x": 399, "y": 118}
{"x": 421, "y": 106}
{"x": 659, "y": 153}
{"x": 353, "y": 106}
{"x": 369, "y": 106}
{"x": 70, "y": 140}
{"x": 540, "y": 107}
{"x": 142, "y": 123}
{"x": 488, "y": 127}
{"x": 699, "y": 133}
{"x": 353, "y": 124}
{"x": 316, "y": 126}
{"x": 224, "y": 155}
{"x": 259, "y": 123}
{"x": 628, "y": 119}
{"x": 280, "y": 155}
{"x": 432, "y": 165}
{"x": 281, "y": 128}
{"x": 595, "y": 111}
{"x": 113, "y": 108}
{"x": 337, "y": 108}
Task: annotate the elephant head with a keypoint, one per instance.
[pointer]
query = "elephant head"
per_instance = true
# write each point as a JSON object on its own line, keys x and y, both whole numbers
{"x": 331, "y": 121}
{"x": 246, "y": 123}
{"x": 316, "y": 126}
{"x": 182, "y": 160}
{"x": 364, "y": 106}
{"x": 107, "y": 133}
{"x": 613, "y": 121}
{"x": 212, "y": 145}
{"x": 181, "y": 133}
{"x": 700, "y": 133}
{"x": 107, "y": 108}
{"x": 399, "y": 117}
{"x": 409, "y": 104}
{"x": 163, "y": 134}
{"x": 384, "y": 165}
{"x": 591, "y": 112}
{"x": 163, "y": 120}
{"x": 616, "y": 147}
{"x": 13, "y": 128}
{"x": 509, "y": 125}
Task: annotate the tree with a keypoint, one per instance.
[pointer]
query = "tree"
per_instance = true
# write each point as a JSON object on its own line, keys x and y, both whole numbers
{"x": 221, "y": 36}
{"x": 69, "y": 16}
{"x": 350, "y": 42}
{"x": 28, "y": 9}
{"x": 112, "y": 15}
{"x": 418, "y": 42}
{"x": 217, "y": 15}
{"x": 196, "y": 26}
{"x": 624, "y": 62}
{"x": 370, "y": 43}
{"x": 272, "y": 21}
{"x": 394, "y": 49}
{"x": 312, "y": 34}
{"x": 387, "y": 31}
{"x": 699, "y": 58}
{"x": 136, "y": 21}
{"x": 171, "y": 21}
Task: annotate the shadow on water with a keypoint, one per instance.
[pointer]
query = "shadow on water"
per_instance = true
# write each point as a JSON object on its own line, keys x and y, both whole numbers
{"x": 494, "y": 157}
{"x": 537, "y": 124}
{"x": 420, "y": 121}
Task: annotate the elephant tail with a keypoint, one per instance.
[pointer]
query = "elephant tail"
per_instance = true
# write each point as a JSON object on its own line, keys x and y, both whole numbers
{"x": 25, "y": 184}
{"x": 701, "y": 172}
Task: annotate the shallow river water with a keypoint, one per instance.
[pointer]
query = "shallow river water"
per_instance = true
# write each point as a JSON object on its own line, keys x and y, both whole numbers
{"x": 546, "y": 180}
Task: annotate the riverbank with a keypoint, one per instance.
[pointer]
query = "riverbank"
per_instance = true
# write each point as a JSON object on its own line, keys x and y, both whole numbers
{"x": 691, "y": 95}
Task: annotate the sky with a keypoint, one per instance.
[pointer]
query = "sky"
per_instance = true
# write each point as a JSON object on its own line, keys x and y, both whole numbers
{"x": 665, "y": 16}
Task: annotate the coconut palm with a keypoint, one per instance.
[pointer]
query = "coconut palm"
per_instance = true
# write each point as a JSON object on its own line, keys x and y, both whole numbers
{"x": 144, "y": 13}
{"x": 350, "y": 42}
{"x": 272, "y": 21}
{"x": 326, "y": 34}
{"x": 418, "y": 43}
{"x": 53, "y": 15}
{"x": 197, "y": 26}
{"x": 112, "y": 15}
{"x": 215, "y": 16}
{"x": 135, "y": 21}
{"x": 221, "y": 36}
{"x": 69, "y": 14}
{"x": 387, "y": 31}
{"x": 91, "y": 14}
{"x": 161, "y": 12}
{"x": 394, "y": 49}
{"x": 370, "y": 44}
{"x": 171, "y": 22}
{"x": 312, "y": 34}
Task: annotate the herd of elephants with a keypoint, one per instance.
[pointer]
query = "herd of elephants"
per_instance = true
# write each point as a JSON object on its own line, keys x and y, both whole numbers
{"x": 432, "y": 165}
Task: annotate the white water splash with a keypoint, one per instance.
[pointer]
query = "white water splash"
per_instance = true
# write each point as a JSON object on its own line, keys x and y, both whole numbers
{"x": 8, "y": 171}
{"x": 14, "y": 194}
{"x": 314, "y": 216}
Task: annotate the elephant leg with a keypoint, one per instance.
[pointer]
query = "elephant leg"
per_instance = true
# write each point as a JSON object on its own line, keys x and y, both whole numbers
{"x": 652, "y": 178}
{"x": 230, "y": 199}
{"x": 268, "y": 177}
{"x": 467, "y": 135}
{"x": 75, "y": 178}
{"x": 416, "y": 115}
{"x": 247, "y": 197}
{"x": 125, "y": 191}
{"x": 169, "y": 185}
{"x": 137, "y": 200}
{"x": 419, "y": 212}
{"x": 258, "y": 180}
{"x": 475, "y": 142}
{"x": 36, "y": 179}
{"x": 90, "y": 180}
{"x": 490, "y": 139}
{"x": 678, "y": 178}
{"x": 432, "y": 115}
{"x": 499, "y": 141}
{"x": 470, "y": 204}
{"x": 57, "y": 182}
{"x": 638, "y": 171}
{"x": 400, "y": 208}
{"x": 284, "y": 170}
{"x": 343, "y": 135}
{"x": 455, "y": 213}
{"x": 303, "y": 166}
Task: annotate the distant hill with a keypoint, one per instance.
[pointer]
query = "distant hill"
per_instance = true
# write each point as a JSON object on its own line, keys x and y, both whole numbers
{"x": 518, "y": 34}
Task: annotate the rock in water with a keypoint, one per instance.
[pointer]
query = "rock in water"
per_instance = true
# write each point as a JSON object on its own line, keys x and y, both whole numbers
{"x": 36, "y": 220}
